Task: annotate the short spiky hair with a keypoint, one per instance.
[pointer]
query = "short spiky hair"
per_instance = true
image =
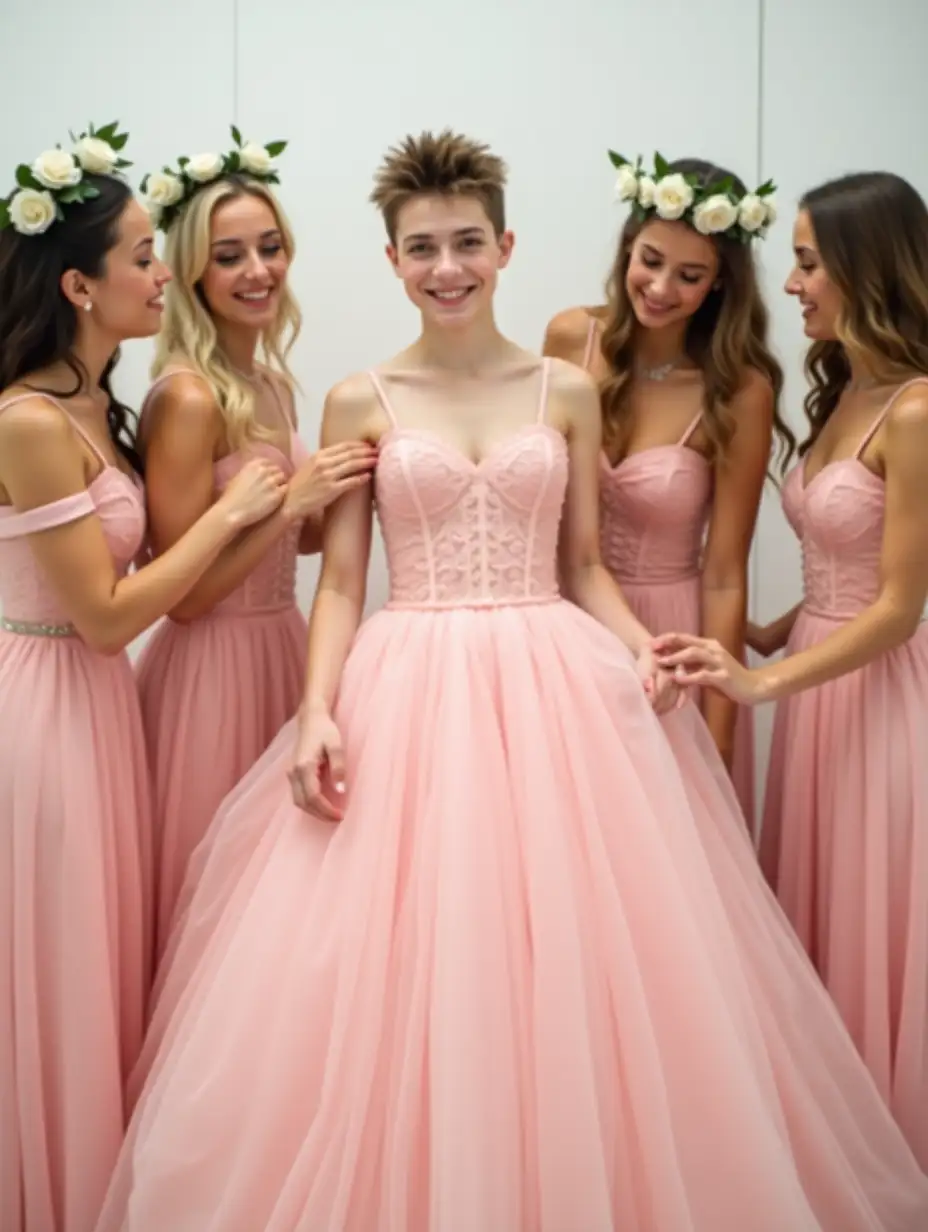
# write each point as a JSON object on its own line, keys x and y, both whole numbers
{"x": 449, "y": 164}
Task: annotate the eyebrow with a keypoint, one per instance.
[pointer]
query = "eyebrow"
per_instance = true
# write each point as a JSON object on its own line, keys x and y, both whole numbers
{"x": 427, "y": 235}
{"x": 274, "y": 233}
{"x": 803, "y": 250}
{"x": 693, "y": 265}
{"x": 145, "y": 242}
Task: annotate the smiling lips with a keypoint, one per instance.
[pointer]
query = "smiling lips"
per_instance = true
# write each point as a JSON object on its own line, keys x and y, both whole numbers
{"x": 451, "y": 296}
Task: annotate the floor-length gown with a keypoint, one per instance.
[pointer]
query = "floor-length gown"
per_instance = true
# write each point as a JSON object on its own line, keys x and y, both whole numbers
{"x": 215, "y": 691}
{"x": 75, "y": 874}
{"x": 845, "y": 834}
{"x": 534, "y": 980}
{"x": 654, "y": 514}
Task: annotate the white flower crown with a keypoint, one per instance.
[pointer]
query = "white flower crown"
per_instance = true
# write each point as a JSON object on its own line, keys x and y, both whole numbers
{"x": 57, "y": 178}
{"x": 168, "y": 191}
{"x": 714, "y": 208}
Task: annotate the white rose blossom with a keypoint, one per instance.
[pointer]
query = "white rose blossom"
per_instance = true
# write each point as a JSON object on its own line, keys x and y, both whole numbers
{"x": 205, "y": 167}
{"x": 155, "y": 213}
{"x": 752, "y": 213}
{"x": 95, "y": 156}
{"x": 254, "y": 158}
{"x": 672, "y": 197}
{"x": 626, "y": 183}
{"x": 32, "y": 211}
{"x": 714, "y": 215}
{"x": 56, "y": 169}
{"x": 646, "y": 188}
{"x": 770, "y": 210}
{"x": 163, "y": 189}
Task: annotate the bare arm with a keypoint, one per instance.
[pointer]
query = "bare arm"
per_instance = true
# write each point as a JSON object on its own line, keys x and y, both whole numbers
{"x": 183, "y": 427}
{"x": 566, "y": 336}
{"x": 895, "y": 614}
{"x": 41, "y": 462}
{"x": 587, "y": 581}
{"x": 768, "y": 639}
{"x": 340, "y": 592}
{"x": 739, "y": 483}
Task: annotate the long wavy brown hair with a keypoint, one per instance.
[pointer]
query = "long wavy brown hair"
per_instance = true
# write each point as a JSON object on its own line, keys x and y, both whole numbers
{"x": 727, "y": 335}
{"x": 871, "y": 231}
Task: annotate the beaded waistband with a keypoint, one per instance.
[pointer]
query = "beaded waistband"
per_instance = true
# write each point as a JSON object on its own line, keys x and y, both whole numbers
{"x": 34, "y": 628}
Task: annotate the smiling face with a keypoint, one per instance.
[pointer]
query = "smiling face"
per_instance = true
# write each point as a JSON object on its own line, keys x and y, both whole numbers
{"x": 671, "y": 270}
{"x": 449, "y": 256}
{"x": 127, "y": 300}
{"x": 247, "y": 268}
{"x": 819, "y": 298}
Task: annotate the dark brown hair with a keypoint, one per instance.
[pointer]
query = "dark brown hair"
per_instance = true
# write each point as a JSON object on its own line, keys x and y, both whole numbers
{"x": 38, "y": 324}
{"x": 871, "y": 231}
{"x": 727, "y": 334}
{"x": 448, "y": 164}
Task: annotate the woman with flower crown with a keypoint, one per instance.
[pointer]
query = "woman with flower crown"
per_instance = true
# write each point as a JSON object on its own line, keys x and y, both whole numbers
{"x": 78, "y": 277}
{"x": 505, "y": 959}
{"x": 224, "y": 673}
{"x": 845, "y": 834}
{"x": 690, "y": 391}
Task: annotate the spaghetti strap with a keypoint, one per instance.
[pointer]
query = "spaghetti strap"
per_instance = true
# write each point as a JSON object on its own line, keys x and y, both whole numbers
{"x": 543, "y": 395}
{"x": 590, "y": 342}
{"x": 685, "y": 438}
{"x": 77, "y": 427}
{"x": 269, "y": 379}
{"x": 382, "y": 398}
{"x": 881, "y": 417}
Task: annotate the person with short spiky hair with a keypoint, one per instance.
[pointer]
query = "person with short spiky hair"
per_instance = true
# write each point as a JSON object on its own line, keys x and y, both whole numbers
{"x": 504, "y": 962}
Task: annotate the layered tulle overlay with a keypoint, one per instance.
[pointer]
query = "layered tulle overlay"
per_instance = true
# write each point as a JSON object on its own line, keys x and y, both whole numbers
{"x": 845, "y": 834}
{"x": 534, "y": 980}
{"x": 75, "y": 877}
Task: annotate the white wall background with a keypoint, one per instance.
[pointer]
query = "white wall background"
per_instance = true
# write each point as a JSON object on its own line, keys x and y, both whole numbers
{"x": 797, "y": 89}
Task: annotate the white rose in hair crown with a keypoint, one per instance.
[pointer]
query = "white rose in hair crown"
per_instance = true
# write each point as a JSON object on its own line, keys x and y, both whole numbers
{"x": 716, "y": 207}
{"x": 58, "y": 179}
{"x": 167, "y": 191}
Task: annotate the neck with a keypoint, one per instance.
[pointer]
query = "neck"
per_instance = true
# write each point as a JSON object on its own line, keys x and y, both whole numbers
{"x": 654, "y": 347}
{"x": 92, "y": 355}
{"x": 239, "y": 344}
{"x": 470, "y": 350}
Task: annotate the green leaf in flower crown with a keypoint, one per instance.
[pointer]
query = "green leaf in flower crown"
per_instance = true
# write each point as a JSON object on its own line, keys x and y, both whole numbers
{"x": 69, "y": 195}
{"x": 766, "y": 189}
{"x": 122, "y": 163}
{"x": 25, "y": 178}
{"x": 616, "y": 159}
{"x": 661, "y": 166}
{"x": 236, "y": 136}
{"x": 108, "y": 132}
{"x": 4, "y": 214}
{"x": 276, "y": 148}
{"x": 143, "y": 187}
{"x": 181, "y": 162}
{"x": 88, "y": 192}
{"x": 232, "y": 163}
{"x": 119, "y": 141}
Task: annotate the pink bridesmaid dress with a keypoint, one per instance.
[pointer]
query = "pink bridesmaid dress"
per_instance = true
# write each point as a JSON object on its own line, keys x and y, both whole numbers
{"x": 74, "y": 875}
{"x": 215, "y": 691}
{"x": 534, "y": 980}
{"x": 845, "y": 829}
{"x": 654, "y": 514}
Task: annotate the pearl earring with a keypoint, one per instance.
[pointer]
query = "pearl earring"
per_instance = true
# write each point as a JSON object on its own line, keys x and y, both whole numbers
{"x": 88, "y": 306}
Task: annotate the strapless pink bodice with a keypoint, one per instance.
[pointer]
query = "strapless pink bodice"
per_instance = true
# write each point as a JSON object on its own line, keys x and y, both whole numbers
{"x": 654, "y": 507}
{"x": 460, "y": 534}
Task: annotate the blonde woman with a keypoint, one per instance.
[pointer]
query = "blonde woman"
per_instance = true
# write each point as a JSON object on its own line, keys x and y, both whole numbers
{"x": 845, "y": 834}
{"x": 689, "y": 391}
{"x": 225, "y": 671}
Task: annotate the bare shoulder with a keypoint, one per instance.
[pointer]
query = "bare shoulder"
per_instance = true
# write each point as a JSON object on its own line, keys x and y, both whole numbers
{"x": 567, "y": 333}
{"x": 567, "y": 381}
{"x": 184, "y": 394}
{"x": 352, "y": 410}
{"x": 34, "y": 423}
{"x": 753, "y": 404}
{"x": 909, "y": 412}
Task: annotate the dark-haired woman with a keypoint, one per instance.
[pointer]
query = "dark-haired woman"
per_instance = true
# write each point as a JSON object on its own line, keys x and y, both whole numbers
{"x": 78, "y": 277}
{"x": 845, "y": 834}
{"x": 689, "y": 392}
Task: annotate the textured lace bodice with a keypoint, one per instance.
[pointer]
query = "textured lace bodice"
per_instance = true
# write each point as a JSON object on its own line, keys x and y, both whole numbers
{"x": 653, "y": 511}
{"x": 271, "y": 585}
{"x": 25, "y": 592}
{"x": 838, "y": 518}
{"x": 461, "y": 534}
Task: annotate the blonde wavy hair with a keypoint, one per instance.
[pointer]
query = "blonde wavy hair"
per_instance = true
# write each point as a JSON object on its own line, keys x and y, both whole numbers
{"x": 727, "y": 334}
{"x": 871, "y": 231}
{"x": 188, "y": 332}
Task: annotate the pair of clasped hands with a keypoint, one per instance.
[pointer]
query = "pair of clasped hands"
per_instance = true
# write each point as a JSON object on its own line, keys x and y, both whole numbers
{"x": 261, "y": 487}
{"x": 668, "y": 668}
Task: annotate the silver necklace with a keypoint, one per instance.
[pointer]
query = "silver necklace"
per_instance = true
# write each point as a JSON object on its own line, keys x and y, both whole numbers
{"x": 660, "y": 373}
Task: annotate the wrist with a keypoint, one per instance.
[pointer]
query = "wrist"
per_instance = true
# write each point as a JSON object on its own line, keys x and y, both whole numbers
{"x": 767, "y": 683}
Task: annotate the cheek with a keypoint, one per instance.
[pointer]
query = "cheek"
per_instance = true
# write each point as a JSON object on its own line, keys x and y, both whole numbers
{"x": 217, "y": 284}
{"x": 692, "y": 298}
{"x": 638, "y": 276}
